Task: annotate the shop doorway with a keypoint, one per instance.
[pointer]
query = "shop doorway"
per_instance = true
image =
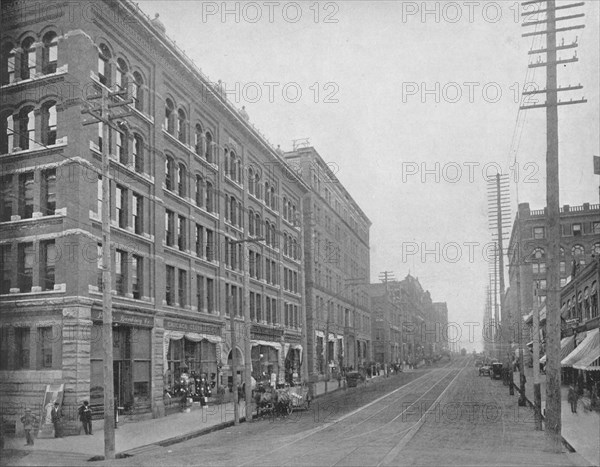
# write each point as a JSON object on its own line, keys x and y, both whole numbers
{"x": 122, "y": 384}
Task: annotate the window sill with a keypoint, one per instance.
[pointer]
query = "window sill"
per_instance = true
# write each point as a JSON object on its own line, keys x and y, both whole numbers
{"x": 37, "y": 77}
{"x": 38, "y": 216}
{"x": 36, "y": 290}
{"x": 60, "y": 142}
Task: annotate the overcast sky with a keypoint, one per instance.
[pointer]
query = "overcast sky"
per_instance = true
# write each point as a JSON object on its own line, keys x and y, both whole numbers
{"x": 371, "y": 118}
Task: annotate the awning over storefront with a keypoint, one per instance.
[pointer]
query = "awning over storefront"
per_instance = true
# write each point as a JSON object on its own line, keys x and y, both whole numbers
{"x": 591, "y": 362}
{"x": 566, "y": 347}
{"x": 192, "y": 336}
{"x": 275, "y": 345}
{"x": 590, "y": 342}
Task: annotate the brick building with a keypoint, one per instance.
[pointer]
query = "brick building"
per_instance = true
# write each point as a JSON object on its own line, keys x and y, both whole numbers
{"x": 336, "y": 253}
{"x": 580, "y": 240}
{"x": 190, "y": 176}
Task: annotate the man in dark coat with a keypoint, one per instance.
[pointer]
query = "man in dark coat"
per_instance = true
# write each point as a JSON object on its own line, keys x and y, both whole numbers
{"x": 572, "y": 398}
{"x": 85, "y": 416}
{"x": 56, "y": 416}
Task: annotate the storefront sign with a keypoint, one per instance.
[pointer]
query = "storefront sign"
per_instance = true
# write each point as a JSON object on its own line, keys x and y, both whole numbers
{"x": 266, "y": 333}
{"x": 200, "y": 328}
{"x": 126, "y": 318}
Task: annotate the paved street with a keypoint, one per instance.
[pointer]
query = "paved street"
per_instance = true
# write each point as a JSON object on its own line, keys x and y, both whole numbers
{"x": 445, "y": 415}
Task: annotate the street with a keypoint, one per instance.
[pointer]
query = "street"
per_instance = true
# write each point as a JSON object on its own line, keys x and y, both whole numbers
{"x": 443, "y": 415}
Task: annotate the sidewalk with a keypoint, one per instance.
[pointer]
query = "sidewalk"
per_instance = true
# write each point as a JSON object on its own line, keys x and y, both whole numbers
{"x": 129, "y": 437}
{"x": 580, "y": 430}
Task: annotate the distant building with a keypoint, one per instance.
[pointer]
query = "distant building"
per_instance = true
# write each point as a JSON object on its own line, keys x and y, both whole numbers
{"x": 336, "y": 261}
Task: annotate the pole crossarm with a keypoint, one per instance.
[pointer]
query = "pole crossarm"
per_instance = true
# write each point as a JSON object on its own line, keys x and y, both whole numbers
{"x": 533, "y": 23}
{"x": 546, "y": 10}
{"x": 560, "y": 47}
{"x": 556, "y": 62}
{"x": 552, "y": 31}
{"x": 539, "y": 106}
{"x": 543, "y": 91}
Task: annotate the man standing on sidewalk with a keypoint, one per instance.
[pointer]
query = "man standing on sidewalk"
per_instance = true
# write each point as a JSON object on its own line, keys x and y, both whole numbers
{"x": 572, "y": 398}
{"x": 55, "y": 416}
{"x": 28, "y": 420}
{"x": 85, "y": 415}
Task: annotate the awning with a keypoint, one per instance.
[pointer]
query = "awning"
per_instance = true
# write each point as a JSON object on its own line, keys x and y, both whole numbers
{"x": 590, "y": 362}
{"x": 590, "y": 342}
{"x": 275, "y": 345}
{"x": 192, "y": 336}
{"x": 566, "y": 347}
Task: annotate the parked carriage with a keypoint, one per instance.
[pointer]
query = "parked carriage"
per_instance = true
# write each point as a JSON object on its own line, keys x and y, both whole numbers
{"x": 282, "y": 401}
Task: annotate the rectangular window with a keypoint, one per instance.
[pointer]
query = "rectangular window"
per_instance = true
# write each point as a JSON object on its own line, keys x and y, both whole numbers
{"x": 121, "y": 272}
{"x": 137, "y": 271}
{"x": 182, "y": 288}
{"x": 596, "y": 228}
{"x": 138, "y": 153}
{"x": 138, "y": 214}
{"x": 209, "y": 245}
{"x": 26, "y": 183}
{"x": 99, "y": 267}
{"x": 6, "y": 198}
{"x": 577, "y": 230}
{"x": 252, "y": 307}
{"x": 100, "y": 135}
{"x": 121, "y": 199}
{"x": 199, "y": 239}
{"x": 169, "y": 227}
{"x": 210, "y": 295}
{"x": 200, "y": 292}
{"x": 49, "y": 192}
{"x": 22, "y": 344}
{"x": 48, "y": 264}
{"x": 181, "y": 240}
{"x": 259, "y": 315}
{"x": 5, "y": 269}
{"x": 44, "y": 347}
{"x": 25, "y": 266}
{"x": 99, "y": 197}
{"x": 169, "y": 285}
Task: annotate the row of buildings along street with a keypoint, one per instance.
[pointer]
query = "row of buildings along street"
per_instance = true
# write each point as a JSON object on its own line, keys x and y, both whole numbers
{"x": 207, "y": 219}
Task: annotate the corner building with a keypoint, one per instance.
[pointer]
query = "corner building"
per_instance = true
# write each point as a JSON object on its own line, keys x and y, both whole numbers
{"x": 336, "y": 261}
{"x": 190, "y": 178}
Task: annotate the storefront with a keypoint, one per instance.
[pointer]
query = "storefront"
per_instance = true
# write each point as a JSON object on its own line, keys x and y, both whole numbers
{"x": 190, "y": 350}
{"x": 132, "y": 336}
{"x": 265, "y": 362}
{"x": 293, "y": 363}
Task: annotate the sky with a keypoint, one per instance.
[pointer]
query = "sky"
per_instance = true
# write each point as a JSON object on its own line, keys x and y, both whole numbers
{"x": 412, "y": 104}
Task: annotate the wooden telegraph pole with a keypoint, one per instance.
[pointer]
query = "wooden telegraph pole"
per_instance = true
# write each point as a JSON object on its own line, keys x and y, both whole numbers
{"x": 553, "y": 403}
{"x": 234, "y": 363}
{"x": 103, "y": 115}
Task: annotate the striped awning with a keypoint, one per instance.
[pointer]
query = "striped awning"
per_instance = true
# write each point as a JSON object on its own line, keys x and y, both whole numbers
{"x": 567, "y": 345}
{"x": 591, "y": 362}
{"x": 590, "y": 342}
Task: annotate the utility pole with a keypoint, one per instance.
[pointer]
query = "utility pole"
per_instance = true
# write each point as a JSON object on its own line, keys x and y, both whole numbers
{"x": 234, "y": 362}
{"x": 537, "y": 395}
{"x": 553, "y": 402}
{"x": 103, "y": 116}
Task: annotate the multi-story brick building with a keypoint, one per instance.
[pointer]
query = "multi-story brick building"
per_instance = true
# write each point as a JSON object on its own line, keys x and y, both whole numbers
{"x": 387, "y": 323}
{"x": 336, "y": 253}
{"x": 580, "y": 240}
{"x": 189, "y": 178}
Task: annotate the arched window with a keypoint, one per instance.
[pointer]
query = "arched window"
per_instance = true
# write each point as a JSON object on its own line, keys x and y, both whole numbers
{"x": 227, "y": 209}
{"x": 26, "y": 128}
{"x": 596, "y": 249}
{"x": 138, "y": 153}
{"x": 199, "y": 191}
{"x": 137, "y": 91}
{"x": 169, "y": 175}
{"x": 578, "y": 253}
{"x": 181, "y": 126}
{"x": 50, "y": 53}
{"x": 209, "y": 148}
{"x": 258, "y": 225}
{"x": 257, "y": 185}
{"x": 293, "y": 215}
{"x": 267, "y": 233}
{"x": 209, "y": 204}
{"x": 6, "y": 134}
{"x": 181, "y": 180}
{"x": 121, "y": 78}
{"x": 251, "y": 222}
{"x": 226, "y": 163}
{"x": 267, "y": 194}
{"x": 8, "y": 63}
{"x": 273, "y": 202}
{"x": 169, "y": 116}
{"x": 123, "y": 143}
{"x": 285, "y": 208}
{"x": 294, "y": 249}
{"x": 240, "y": 215}
{"x": 27, "y": 58}
{"x": 251, "y": 188}
{"x": 233, "y": 211}
{"x": 199, "y": 140}
{"x": 104, "y": 65}
{"x": 49, "y": 123}
{"x": 285, "y": 245}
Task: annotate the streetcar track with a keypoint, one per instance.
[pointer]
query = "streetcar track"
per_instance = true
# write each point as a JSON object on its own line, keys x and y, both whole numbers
{"x": 339, "y": 420}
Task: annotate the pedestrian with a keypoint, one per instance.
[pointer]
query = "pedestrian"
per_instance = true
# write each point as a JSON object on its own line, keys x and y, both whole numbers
{"x": 572, "y": 398}
{"x": 28, "y": 420}
{"x": 85, "y": 416}
{"x": 56, "y": 416}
